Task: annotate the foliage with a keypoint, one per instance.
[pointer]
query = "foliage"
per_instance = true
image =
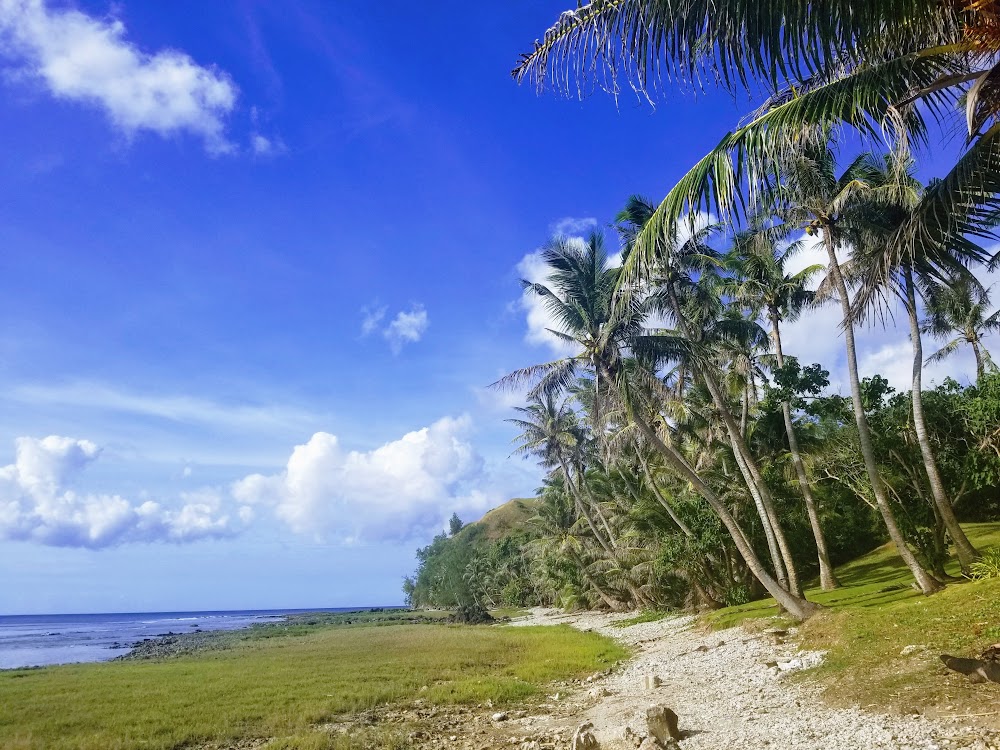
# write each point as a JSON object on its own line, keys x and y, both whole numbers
{"x": 987, "y": 566}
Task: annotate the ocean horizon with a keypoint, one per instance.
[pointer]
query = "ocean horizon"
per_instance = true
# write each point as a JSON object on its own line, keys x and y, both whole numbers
{"x": 49, "y": 639}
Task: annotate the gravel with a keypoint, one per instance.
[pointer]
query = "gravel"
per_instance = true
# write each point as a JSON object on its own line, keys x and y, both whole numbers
{"x": 731, "y": 691}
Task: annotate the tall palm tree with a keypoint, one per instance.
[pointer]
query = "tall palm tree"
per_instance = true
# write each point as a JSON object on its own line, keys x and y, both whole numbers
{"x": 761, "y": 283}
{"x": 580, "y": 296}
{"x": 814, "y": 197}
{"x": 959, "y": 309}
{"x": 878, "y": 272}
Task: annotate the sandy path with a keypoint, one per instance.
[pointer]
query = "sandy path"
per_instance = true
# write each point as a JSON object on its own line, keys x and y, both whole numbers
{"x": 726, "y": 696}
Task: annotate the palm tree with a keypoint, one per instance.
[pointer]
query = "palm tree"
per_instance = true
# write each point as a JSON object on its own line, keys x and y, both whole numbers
{"x": 879, "y": 271}
{"x": 812, "y": 196}
{"x": 761, "y": 283}
{"x": 550, "y": 431}
{"x": 959, "y": 309}
{"x": 580, "y": 296}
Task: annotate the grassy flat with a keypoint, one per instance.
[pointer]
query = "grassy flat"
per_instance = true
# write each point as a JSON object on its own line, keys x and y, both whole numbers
{"x": 281, "y": 688}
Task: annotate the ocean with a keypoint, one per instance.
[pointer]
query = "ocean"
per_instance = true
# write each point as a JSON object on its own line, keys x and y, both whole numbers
{"x": 39, "y": 640}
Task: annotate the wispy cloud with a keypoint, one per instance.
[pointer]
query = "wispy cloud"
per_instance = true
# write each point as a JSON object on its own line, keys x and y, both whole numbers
{"x": 81, "y": 58}
{"x": 407, "y": 328}
{"x": 173, "y": 408}
{"x": 569, "y": 226}
{"x": 371, "y": 317}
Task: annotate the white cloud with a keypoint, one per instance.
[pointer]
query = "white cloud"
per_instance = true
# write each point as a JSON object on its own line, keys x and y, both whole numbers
{"x": 173, "y": 408}
{"x": 570, "y": 226}
{"x": 882, "y": 350}
{"x": 399, "y": 491}
{"x": 264, "y": 146}
{"x": 371, "y": 316}
{"x": 38, "y": 503}
{"x": 82, "y": 58}
{"x": 407, "y": 327}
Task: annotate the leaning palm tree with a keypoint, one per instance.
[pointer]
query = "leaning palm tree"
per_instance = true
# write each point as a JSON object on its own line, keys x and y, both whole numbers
{"x": 580, "y": 297}
{"x": 758, "y": 259}
{"x": 814, "y": 197}
{"x": 959, "y": 309}
{"x": 929, "y": 264}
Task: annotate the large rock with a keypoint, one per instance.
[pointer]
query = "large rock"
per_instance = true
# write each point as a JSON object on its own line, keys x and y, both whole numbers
{"x": 662, "y": 724}
{"x": 584, "y": 739}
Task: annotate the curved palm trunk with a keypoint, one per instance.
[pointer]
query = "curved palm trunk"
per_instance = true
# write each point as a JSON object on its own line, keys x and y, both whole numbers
{"x": 796, "y": 606}
{"x": 748, "y": 464}
{"x": 582, "y": 505}
{"x": 777, "y": 561}
{"x": 928, "y": 584}
{"x": 966, "y": 553}
{"x": 685, "y": 529}
{"x": 827, "y": 578}
{"x": 980, "y": 365}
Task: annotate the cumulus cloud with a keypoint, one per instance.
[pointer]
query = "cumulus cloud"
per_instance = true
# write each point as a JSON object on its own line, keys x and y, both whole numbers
{"x": 570, "y": 226}
{"x": 882, "y": 350}
{"x": 39, "y": 504}
{"x": 398, "y": 491}
{"x": 81, "y": 58}
{"x": 408, "y": 327}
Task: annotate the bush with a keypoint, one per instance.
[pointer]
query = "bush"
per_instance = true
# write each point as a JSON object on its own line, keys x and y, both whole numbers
{"x": 987, "y": 566}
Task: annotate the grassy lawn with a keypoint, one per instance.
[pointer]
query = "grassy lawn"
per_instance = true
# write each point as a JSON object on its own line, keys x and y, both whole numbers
{"x": 876, "y": 614}
{"x": 282, "y": 687}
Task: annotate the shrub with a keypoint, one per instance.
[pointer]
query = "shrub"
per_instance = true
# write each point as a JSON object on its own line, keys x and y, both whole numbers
{"x": 987, "y": 566}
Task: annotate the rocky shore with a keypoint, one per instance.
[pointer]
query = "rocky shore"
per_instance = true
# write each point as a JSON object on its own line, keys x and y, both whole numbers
{"x": 170, "y": 645}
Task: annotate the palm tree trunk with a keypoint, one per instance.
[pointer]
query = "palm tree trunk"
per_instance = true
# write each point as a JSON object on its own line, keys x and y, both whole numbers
{"x": 796, "y": 606}
{"x": 748, "y": 464}
{"x": 777, "y": 561}
{"x": 928, "y": 584}
{"x": 582, "y": 505}
{"x": 827, "y": 578}
{"x": 980, "y": 366}
{"x": 966, "y": 553}
{"x": 685, "y": 529}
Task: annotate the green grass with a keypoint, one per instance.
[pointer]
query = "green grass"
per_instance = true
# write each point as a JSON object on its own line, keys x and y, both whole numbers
{"x": 281, "y": 688}
{"x": 650, "y": 615}
{"x": 877, "y": 613}
{"x": 873, "y": 581}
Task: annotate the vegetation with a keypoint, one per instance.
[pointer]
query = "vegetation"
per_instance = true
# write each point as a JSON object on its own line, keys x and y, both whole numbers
{"x": 282, "y": 685}
{"x": 692, "y": 460}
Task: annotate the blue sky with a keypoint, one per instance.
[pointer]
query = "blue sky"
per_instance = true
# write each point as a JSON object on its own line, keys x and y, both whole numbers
{"x": 258, "y": 265}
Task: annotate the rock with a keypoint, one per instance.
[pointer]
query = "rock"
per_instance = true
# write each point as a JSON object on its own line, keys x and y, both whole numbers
{"x": 584, "y": 739}
{"x": 652, "y": 681}
{"x": 651, "y": 743}
{"x": 632, "y": 738}
{"x": 912, "y": 649}
{"x": 500, "y": 716}
{"x": 662, "y": 724}
{"x": 530, "y": 745}
{"x": 599, "y": 692}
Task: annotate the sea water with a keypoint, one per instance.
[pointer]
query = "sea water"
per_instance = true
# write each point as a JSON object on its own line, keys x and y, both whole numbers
{"x": 38, "y": 640}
